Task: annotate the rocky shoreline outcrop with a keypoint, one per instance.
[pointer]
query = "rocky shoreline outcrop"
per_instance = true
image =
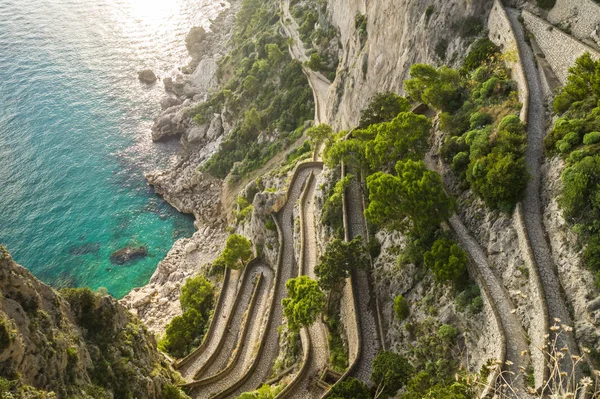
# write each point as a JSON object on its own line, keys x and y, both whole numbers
{"x": 182, "y": 185}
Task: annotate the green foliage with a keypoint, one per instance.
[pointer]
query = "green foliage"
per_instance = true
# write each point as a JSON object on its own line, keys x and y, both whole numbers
{"x": 383, "y": 107}
{"x": 85, "y": 305}
{"x": 546, "y": 4}
{"x": 468, "y": 27}
{"x": 401, "y": 307}
{"x": 264, "y": 392}
{"x": 440, "y": 49}
{"x": 338, "y": 355}
{"x": 339, "y": 259}
{"x": 304, "y": 302}
{"x": 170, "y": 391}
{"x": 264, "y": 85}
{"x": 315, "y": 62}
{"x": 237, "y": 251}
{"x": 482, "y": 51}
{"x": 455, "y": 391}
{"x": 429, "y": 12}
{"x": 390, "y": 372}
{"x": 320, "y": 133}
{"x": 440, "y": 88}
{"x": 447, "y": 260}
{"x": 405, "y": 137}
{"x": 186, "y": 331}
{"x": 350, "y": 388}
{"x": 360, "y": 23}
{"x": 469, "y": 299}
{"x": 332, "y": 207}
{"x": 591, "y": 138}
{"x": 412, "y": 201}
{"x": 447, "y": 332}
{"x": 351, "y": 152}
{"x": 480, "y": 119}
{"x": 5, "y": 334}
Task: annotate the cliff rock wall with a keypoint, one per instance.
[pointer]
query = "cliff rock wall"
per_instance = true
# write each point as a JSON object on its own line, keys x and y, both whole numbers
{"x": 399, "y": 34}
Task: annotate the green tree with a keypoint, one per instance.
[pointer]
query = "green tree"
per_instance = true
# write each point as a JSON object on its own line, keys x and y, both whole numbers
{"x": 447, "y": 260}
{"x": 350, "y": 151}
{"x": 319, "y": 133}
{"x": 383, "y": 108}
{"x": 441, "y": 88}
{"x": 237, "y": 252}
{"x": 405, "y": 137}
{"x": 304, "y": 302}
{"x": 197, "y": 293}
{"x": 339, "y": 260}
{"x": 186, "y": 331}
{"x": 580, "y": 198}
{"x": 455, "y": 391}
{"x": 401, "y": 307}
{"x": 391, "y": 371}
{"x": 583, "y": 83}
{"x": 350, "y": 388}
{"x": 413, "y": 201}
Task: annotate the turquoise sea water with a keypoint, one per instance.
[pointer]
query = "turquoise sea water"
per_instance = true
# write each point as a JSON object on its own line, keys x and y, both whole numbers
{"x": 74, "y": 134}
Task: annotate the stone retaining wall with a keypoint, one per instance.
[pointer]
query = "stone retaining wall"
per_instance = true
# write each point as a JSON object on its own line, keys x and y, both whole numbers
{"x": 560, "y": 49}
{"x": 501, "y": 33}
{"x": 581, "y": 16}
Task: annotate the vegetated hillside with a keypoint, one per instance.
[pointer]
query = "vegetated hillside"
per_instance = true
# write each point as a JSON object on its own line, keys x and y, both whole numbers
{"x": 73, "y": 344}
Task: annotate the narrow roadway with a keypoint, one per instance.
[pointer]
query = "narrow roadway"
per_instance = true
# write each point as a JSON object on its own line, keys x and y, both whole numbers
{"x": 318, "y": 360}
{"x": 532, "y": 206}
{"x": 198, "y": 359}
{"x": 366, "y": 308}
{"x": 252, "y": 321}
{"x": 232, "y": 339}
{"x": 266, "y": 357}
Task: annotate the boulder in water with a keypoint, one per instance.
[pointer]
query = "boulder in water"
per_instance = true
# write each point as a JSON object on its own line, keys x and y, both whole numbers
{"x": 128, "y": 254}
{"x": 147, "y": 76}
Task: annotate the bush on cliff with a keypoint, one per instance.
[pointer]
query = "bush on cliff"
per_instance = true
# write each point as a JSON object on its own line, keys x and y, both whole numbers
{"x": 186, "y": 331}
{"x": 391, "y": 371}
{"x": 304, "y": 302}
{"x": 339, "y": 260}
{"x": 383, "y": 107}
{"x": 237, "y": 252}
{"x": 350, "y": 388}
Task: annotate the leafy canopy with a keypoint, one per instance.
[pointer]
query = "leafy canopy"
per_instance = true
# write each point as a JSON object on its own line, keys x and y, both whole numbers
{"x": 441, "y": 89}
{"x": 447, "y": 260}
{"x": 414, "y": 201}
{"x": 237, "y": 252}
{"x": 391, "y": 371}
{"x": 383, "y": 108}
{"x": 339, "y": 260}
{"x": 304, "y": 302}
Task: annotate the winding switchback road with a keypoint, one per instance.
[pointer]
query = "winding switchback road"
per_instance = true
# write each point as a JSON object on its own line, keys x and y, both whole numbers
{"x": 369, "y": 336}
{"x": 263, "y": 363}
{"x": 193, "y": 363}
{"x": 531, "y": 206}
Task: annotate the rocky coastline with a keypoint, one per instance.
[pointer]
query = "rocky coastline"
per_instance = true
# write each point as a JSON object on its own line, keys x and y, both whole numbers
{"x": 182, "y": 185}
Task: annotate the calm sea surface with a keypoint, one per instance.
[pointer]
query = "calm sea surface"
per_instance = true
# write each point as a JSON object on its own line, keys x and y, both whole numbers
{"x": 74, "y": 134}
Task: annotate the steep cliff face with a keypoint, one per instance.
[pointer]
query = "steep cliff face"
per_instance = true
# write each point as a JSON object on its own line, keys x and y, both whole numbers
{"x": 76, "y": 343}
{"x": 398, "y": 34}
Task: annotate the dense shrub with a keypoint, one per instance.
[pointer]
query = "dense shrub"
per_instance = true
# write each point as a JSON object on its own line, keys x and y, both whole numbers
{"x": 480, "y": 119}
{"x": 304, "y": 302}
{"x": 264, "y": 86}
{"x": 401, "y": 307}
{"x": 481, "y": 52}
{"x": 5, "y": 335}
{"x": 546, "y": 4}
{"x": 440, "y": 88}
{"x": 447, "y": 260}
{"x": 339, "y": 259}
{"x": 591, "y": 138}
{"x": 186, "y": 331}
{"x": 391, "y": 371}
{"x": 350, "y": 388}
{"x": 383, "y": 107}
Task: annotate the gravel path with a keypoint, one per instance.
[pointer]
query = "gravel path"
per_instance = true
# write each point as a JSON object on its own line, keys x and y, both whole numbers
{"x": 232, "y": 337}
{"x": 254, "y": 319}
{"x": 532, "y": 204}
{"x": 366, "y": 307}
{"x": 220, "y": 320}
{"x": 516, "y": 339}
{"x": 289, "y": 269}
